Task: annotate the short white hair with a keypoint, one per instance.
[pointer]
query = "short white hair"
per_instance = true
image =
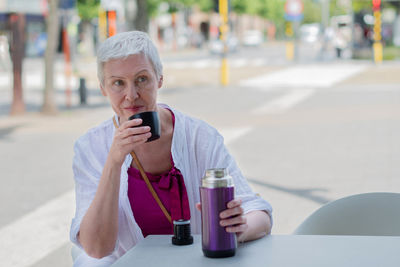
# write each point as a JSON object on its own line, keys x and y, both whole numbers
{"x": 125, "y": 44}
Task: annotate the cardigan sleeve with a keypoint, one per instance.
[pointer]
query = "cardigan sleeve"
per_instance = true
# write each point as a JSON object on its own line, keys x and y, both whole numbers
{"x": 90, "y": 153}
{"x": 86, "y": 176}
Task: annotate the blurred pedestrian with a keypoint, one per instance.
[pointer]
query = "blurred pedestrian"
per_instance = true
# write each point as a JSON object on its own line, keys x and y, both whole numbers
{"x": 339, "y": 43}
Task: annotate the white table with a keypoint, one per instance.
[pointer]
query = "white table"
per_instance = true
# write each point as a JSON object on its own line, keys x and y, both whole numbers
{"x": 275, "y": 250}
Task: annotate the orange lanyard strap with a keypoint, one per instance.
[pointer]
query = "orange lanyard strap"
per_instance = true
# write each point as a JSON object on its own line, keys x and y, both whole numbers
{"x": 146, "y": 180}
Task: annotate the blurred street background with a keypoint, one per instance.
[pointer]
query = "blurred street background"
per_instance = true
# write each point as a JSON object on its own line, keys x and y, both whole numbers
{"x": 305, "y": 92}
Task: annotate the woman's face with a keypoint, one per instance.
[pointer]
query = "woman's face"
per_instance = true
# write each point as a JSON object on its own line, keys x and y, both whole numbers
{"x": 131, "y": 85}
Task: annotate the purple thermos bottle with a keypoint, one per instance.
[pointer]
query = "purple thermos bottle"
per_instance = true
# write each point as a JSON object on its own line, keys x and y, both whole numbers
{"x": 215, "y": 192}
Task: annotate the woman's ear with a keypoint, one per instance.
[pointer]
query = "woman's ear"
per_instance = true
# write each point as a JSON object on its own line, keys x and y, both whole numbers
{"x": 160, "y": 81}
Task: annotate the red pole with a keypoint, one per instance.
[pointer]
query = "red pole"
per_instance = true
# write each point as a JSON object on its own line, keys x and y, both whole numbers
{"x": 112, "y": 22}
{"x": 67, "y": 69}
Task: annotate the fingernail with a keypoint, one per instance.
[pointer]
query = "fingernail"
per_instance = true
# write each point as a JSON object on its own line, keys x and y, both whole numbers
{"x": 136, "y": 121}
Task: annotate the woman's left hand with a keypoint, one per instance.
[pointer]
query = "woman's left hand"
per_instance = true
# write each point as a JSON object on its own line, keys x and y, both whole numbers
{"x": 233, "y": 218}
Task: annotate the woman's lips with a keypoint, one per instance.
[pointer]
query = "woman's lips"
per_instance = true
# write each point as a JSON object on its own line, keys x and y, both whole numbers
{"x": 133, "y": 109}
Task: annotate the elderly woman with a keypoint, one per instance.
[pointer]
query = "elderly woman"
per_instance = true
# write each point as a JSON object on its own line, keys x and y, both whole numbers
{"x": 114, "y": 207}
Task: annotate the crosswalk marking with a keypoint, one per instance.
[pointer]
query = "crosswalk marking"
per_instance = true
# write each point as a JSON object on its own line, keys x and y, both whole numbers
{"x": 311, "y": 76}
{"x": 176, "y": 65}
{"x": 238, "y": 63}
{"x": 38, "y": 233}
{"x": 34, "y": 80}
{"x": 232, "y": 134}
{"x": 216, "y": 62}
{"x": 285, "y": 102}
{"x": 201, "y": 64}
{"x": 258, "y": 62}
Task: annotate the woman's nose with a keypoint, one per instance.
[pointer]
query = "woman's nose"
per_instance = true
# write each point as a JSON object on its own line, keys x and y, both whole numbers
{"x": 132, "y": 93}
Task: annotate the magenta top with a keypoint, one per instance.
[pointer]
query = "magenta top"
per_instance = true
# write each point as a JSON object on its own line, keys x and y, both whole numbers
{"x": 170, "y": 188}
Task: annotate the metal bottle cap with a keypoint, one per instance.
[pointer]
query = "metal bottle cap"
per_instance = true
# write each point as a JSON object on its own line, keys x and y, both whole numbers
{"x": 215, "y": 178}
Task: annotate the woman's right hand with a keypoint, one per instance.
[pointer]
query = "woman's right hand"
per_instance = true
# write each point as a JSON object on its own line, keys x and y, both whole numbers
{"x": 127, "y": 138}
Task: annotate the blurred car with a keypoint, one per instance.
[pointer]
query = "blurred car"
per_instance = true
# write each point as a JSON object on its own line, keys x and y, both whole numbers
{"x": 216, "y": 46}
{"x": 252, "y": 38}
{"x": 310, "y": 33}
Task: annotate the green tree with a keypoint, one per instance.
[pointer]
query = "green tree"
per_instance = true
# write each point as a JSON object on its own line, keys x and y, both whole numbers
{"x": 88, "y": 9}
{"x": 361, "y": 5}
{"x": 336, "y": 9}
{"x": 149, "y": 8}
{"x": 254, "y": 7}
{"x": 312, "y": 11}
{"x": 275, "y": 11}
{"x": 239, "y": 6}
{"x": 152, "y": 7}
{"x": 206, "y": 5}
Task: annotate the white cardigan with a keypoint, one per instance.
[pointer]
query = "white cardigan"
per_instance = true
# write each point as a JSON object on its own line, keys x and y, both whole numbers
{"x": 196, "y": 146}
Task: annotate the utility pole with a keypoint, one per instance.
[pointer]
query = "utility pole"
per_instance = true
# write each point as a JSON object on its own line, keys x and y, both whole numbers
{"x": 17, "y": 26}
{"x": 325, "y": 14}
{"x": 351, "y": 13}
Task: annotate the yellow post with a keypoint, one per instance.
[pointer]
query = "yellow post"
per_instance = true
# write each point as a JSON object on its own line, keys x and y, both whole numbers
{"x": 224, "y": 72}
{"x": 378, "y": 52}
{"x": 289, "y": 43}
{"x": 102, "y": 24}
{"x": 223, "y": 11}
{"x": 377, "y": 46}
{"x": 289, "y": 50}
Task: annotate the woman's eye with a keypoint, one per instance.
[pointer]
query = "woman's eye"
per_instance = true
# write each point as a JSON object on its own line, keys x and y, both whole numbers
{"x": 118, "y": 83}
{"x": 142, "y": 79}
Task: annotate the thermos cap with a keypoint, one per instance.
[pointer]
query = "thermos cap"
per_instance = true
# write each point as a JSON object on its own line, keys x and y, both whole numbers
{"x": 215, "y": 178}
{"x": 182, "y": 233}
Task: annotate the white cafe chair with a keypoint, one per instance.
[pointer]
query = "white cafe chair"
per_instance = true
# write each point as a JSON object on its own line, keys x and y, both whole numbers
{"x": 373, "y": 214}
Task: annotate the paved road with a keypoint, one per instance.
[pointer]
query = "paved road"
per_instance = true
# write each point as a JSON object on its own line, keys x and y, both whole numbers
{"x": 302, "y": 138}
